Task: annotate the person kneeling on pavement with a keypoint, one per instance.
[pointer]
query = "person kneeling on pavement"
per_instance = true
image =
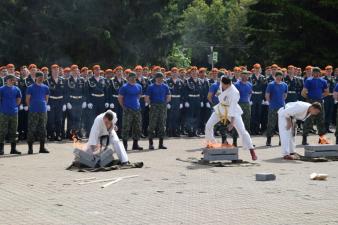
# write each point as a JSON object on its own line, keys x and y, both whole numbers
{"x": 104, "y": 125}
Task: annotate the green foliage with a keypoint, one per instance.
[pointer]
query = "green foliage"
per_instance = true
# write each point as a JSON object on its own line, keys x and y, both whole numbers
{"x": 178, "y": 57}
{"x": 130, "y": 32}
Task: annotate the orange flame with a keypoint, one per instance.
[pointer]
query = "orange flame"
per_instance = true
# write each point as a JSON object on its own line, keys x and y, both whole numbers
{"x": 77, "y": 143}
{"x": 323, "y": 140}
{"x": 218, "y": 145}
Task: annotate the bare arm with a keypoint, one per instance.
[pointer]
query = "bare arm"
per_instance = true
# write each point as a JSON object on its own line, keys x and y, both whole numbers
{"x": 47, "y": 97}
{"x": 147, "y": 99}
{"x": 121, "y": 101}
{"x": 18, "y": 101}
{"x": 28, "y": 100}
{"x": 168, "y": 98}
{"x": 267, "y": 97}
{"x": 326, "y": 92}
{"x": 304, "y": 92}
{"x": 335, "y": 96}
{"x": 210, "y": 97}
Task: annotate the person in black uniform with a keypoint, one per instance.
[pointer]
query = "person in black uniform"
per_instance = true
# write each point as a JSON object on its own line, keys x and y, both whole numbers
{"x": 193, "y": 92}
{"x": 76, "y": 101}
{"x": 176, "y": 104}
{"x": 56, "y": 105}
{"x": 258, "y": 82}
{"x": 97, "y": 100}
{"x": 117, "y": 82}
{"x": 205, "y": 105}
{"x": 328, "y": 100}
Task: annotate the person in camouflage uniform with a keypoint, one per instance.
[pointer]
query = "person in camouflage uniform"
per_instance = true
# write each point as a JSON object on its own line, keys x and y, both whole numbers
{"x": 315, "y": 88}
{"x": 275, "y": 95}
{"x": 245, "y": 90}
{"x": 36, "y": 99}
{"x": 157, "y": 95}
{"x": 129, "y": 99}
{"x": 328, "y": 100}
{"x": 10, "y": 98}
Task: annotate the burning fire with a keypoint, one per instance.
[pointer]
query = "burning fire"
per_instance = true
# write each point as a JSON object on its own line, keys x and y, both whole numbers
{"x": 323, "y": 140}
{"x": 77, "y": 143}
{"x": 218, "y": 145}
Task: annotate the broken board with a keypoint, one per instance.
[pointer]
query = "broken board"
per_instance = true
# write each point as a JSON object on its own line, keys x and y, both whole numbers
{"x": 220, "y": 154}
{"x": 314, "y": 151}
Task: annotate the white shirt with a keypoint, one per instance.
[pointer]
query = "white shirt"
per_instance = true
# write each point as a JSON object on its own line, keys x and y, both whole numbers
{"x": 229, "y": 97}
{"x": 298, "y": 110}
{"x": 99, "y": 129}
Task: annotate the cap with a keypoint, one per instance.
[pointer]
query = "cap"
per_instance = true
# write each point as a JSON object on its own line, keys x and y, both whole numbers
{"x": 96, "y": 67}
{"x": 119, "y": 68}
{"x": 138, "y": 67}
{"x": 245, "y": 72}
{"x": 10, "y": 66}
{"x": 84, "y": 68}
{"x": 220, "y": 74}
{"x": 316, "y": 70}
{"x": 131, "y": 74}
{"x": 10, "y": 76}
{"x": 159, "y": 75}
{"x": 257, "y": 66}
{"x": 31, "y": 66}
{"x": 279, "y": 73}
{"x": 38, "y": 74}
{"x": 74, "y": 67}
{"x": 174, "y": 69}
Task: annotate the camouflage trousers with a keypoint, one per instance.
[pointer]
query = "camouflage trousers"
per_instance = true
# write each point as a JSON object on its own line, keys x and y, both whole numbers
{"x": 317, "y": 120}
{"x": 157, "y": 120}
{"x": 246, "y": 116}
{"x": 131, "y": 121}
{"x": 37, "y": 126}
{"x": 272, "y": 122}
{"x": 8, "y": 126}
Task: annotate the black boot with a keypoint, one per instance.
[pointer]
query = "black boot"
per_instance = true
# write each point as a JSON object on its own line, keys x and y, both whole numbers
{"x": 2, "y": 148}
{"x": 234, "y": 142}
{"x": 30, "y": 148}
{"x": 42, "y": 148}
{"x": 161, "y": 146}
{"x": 268, "y": 141}
{"x": 304, "y": 141}
{"x": 151, "y": 144}
{"x": 13, "y": 149}
{"x": 136, "y": 146}
{"x": 125, "y": 144}
{"x": 224, "y": 140}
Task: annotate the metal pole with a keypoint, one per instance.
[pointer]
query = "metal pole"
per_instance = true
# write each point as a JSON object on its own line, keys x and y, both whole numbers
{"x": 212, "y": 56}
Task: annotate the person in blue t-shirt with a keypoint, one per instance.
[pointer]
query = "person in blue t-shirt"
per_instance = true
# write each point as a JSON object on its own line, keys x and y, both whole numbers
{"x": 275, "y": 95}
{"x": 129, "y": 99}
{"x": 157, "y": 96}
{"x": 315, "y": 88}
{"x": 36, "y": 99}
{"x": 245, "y": 90}
{"x": 10, "y": 99}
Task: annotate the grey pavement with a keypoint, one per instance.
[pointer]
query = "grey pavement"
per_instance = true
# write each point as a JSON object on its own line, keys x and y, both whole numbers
{"x": 37, "y": 189}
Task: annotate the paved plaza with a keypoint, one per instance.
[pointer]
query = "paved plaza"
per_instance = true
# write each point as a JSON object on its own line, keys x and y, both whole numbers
{"x": 36, "y": 189}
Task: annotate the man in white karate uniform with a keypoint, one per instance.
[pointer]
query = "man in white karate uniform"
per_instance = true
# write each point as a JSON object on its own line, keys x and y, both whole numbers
{"x": 287, "y": 117}
{"x": 104, "y": 125}
{"x": 228, "y": 109}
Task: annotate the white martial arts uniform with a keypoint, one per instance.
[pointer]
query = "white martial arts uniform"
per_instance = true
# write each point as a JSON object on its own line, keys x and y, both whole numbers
{"x": 228, "y": 98}
{"x": 99, "y": 129}
{"x": 295, "y": 111}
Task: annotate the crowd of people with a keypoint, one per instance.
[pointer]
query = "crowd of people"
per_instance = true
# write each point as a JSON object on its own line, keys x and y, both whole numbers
{"x": 57, "y": 103}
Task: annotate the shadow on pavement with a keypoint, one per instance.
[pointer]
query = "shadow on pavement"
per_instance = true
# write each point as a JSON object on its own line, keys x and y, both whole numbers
{"x": 280, "y": 160}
